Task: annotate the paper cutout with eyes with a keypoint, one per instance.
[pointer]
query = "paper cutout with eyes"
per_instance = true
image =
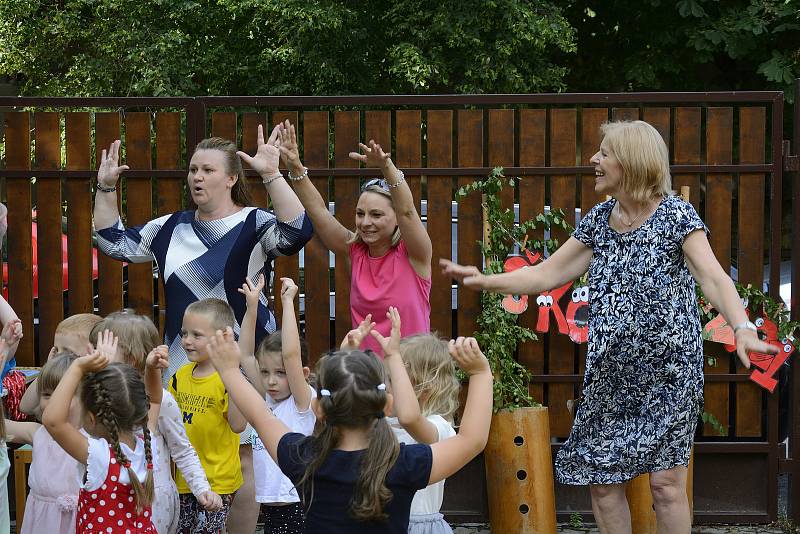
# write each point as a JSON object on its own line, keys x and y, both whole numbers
{"x": 578, "y": 315}
{"x": 517, "y": 304}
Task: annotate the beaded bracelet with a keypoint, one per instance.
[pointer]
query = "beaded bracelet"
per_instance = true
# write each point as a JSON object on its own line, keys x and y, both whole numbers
{"x": 398, "y": 182}
{"x": 300, "y": 177}
{"x": 105, "y": 188}
{"x": 269, "y": 179}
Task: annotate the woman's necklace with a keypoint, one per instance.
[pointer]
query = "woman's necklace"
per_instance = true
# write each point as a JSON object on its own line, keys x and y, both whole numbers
{"x": 635, "y": 219}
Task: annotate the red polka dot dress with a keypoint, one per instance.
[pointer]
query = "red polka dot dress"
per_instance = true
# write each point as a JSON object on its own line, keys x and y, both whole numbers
{"x": 112, "y": 507}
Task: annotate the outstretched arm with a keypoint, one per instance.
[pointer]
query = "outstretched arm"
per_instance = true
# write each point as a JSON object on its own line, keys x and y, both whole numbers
{"x": 106, "y": 212}
{"x": 247, "y": 333}
{"x": 290, "y": 347}
{"x": 224, "y": 354}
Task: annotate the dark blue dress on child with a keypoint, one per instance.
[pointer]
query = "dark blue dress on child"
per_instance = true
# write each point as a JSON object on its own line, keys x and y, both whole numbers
{"x": 643, "y": 387}
{"x": 328, "y": 508}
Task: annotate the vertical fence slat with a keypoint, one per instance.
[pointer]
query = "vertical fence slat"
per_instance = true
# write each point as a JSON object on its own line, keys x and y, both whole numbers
{"x": 315, "y": 256}
{"x": 285, "y": 266}
{"x": 440, "y": 196}
{"x": 501, "y": 147}
{"x": 687, "y": 151}
{"x": 107, "y": 129}
{"x": 223, "y": 124}
{"x": 752, "y": 128}
{"x": 563, "y": 142}
{"x": 532, "y": 152}
{"x": 170, "y": 190}
{"x": 81, "y": 258}
{"x": 250, "y": 122}
{"x": 48, "y": 216}
{"x": 719, "y": 149}
{"x": 20, "y": 272}
{"x": 625, "y": 114}
{"x": 346, "y": 189}
{"x": 139, "y": 206}
{"x": 408, "y": 149}
{"x": 659, "y": 119}
{"x": 470, "y": 218}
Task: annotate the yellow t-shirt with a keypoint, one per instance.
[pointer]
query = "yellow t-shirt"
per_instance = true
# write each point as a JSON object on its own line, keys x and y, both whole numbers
{"x": 204, "y": 405}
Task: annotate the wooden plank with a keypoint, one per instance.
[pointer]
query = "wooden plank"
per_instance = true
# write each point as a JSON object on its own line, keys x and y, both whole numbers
{"x": 687, "y": 151}
{"x": 719, "y": 149}
{"x": 440, "y": 195}
{"x": 501, "y": 147}
{"x": 659, "y": 118}
{"x": 316, "y": 273}
{"x": 408, "y": 148}
{"x": 532, "y": 153}
{"x": 223, "y": 124}
{"x": 48, "y": 225}
{"x": 285, "y": 266}
{"x": 107, "y": 129}
{"x": 250, "y": 122}
{"x": 79, "y": 226}
{"x": 561, "y": 356}
{"x": 470, "y": 218}
{"x": 20, "y": 259}
{"x": 625, "y": 114}
{"x": 751, "y": 218}
{"x": 139, "y": 206}
{"x": 170, "y": 190}
{"x": 346, "y": 193}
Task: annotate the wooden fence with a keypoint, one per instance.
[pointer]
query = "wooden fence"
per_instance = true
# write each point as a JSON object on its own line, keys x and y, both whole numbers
{"x": 725, "y": 146}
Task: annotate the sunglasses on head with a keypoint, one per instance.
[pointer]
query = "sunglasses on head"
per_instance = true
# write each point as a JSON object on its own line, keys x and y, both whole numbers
{"x": 375, "y": 182}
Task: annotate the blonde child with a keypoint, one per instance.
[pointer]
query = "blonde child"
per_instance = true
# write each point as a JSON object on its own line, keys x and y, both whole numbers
{"x": 53, "y": 498}
{"x": 117, "y": 491}
{"x": 353, "y": 474}
{"x": 279, "y": 373}
{"x": 9, "y": 339}
{"x": 137, "y": 338}
{"x": 72, "y": 335}
{"x": 212, "y": 422}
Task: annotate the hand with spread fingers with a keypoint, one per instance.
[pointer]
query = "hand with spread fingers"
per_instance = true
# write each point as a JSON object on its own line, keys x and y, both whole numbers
{"x": 372, "y": 155}
{"x": 356, "y": 336}
{"x": 268, "y": 153}
{"x": 110, "y": 170}
{"x": 391, "y": 344}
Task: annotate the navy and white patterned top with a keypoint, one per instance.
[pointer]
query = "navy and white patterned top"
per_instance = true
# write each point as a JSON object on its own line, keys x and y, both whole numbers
{"x": 643, "y": 386}
{"x": 201, "y": 259}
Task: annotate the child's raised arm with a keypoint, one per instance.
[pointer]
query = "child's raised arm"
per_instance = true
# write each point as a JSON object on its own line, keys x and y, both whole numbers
{"x": 247, "y": 333}
{"x": 290, "y": 348}
{"x": 406, "y": 404}
{"x": 354, "y": 338}
{"x": 56, "y": 416}
{"x": 453, "y": 453}
{"x": 157, "y": 360}
{"x": 224, "y": 353}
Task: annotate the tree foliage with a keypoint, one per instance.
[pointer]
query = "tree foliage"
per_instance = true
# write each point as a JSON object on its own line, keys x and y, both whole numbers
{"x": 229, "y": 47}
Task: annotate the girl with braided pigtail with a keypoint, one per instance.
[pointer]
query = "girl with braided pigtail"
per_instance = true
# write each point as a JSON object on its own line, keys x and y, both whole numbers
{"x": 119, "y": 413}
{"x": 352, "y": 474}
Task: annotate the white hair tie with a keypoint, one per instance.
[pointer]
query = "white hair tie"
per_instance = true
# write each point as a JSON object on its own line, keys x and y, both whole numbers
{"x": 324, "y": 393}
{"x": 381, "y": 386}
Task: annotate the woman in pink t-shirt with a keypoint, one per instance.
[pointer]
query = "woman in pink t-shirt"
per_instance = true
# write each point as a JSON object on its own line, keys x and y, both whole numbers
{"x": 389, "y": 254}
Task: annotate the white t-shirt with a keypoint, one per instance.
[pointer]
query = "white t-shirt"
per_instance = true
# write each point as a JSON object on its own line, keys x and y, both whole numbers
{"x": 428, "y": 500}
{"x": 272, "y": 486}
{"x": 99, "y": 458}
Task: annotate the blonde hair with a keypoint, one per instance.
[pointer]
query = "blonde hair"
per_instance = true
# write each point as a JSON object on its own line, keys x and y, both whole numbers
{"x": 219, "y": 311}
{"x": 643, "y": 156}
{"x": 396, "y": 237}
{"x": 53, "y": 371}
{"x": 433, "y": 373}
{"x": 137, "y": 335}
{"x": 80, "y": 324}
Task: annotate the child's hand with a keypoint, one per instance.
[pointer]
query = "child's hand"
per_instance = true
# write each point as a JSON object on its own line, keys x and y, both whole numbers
{"x": 252, "y": 292}
{"x": 92, "y": 362}
{"x": 288, "y": 290}
{"x": 356, "y": 336}
{"x": 158, "y": 357}
{"x": 12, "y": 332}
{"x": 107, "y": 344}
{"x": 467, "y": 354}
{"x": 224, "y": 351}
{"x": 392, "y": 344}
{"x": 210, "y": 501}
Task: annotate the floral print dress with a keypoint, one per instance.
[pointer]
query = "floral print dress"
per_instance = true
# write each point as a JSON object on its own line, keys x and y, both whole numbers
{"x": 643, "y": 386}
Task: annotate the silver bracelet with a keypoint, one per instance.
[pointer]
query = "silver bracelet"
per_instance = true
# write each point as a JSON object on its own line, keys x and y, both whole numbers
{"x": 398, "y": 182}
{"x": 105, "y": 188}
{"x": 269, "y": 179}
{"x": 299, "y": 177}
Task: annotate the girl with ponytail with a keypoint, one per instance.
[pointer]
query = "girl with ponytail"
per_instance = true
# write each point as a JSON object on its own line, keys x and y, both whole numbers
{"x": 352, "y": 474}
{"x": 119, "y": 413}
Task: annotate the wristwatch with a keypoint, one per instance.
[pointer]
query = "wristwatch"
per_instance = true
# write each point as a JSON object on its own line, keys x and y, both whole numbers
{"x": 748, "y": 325}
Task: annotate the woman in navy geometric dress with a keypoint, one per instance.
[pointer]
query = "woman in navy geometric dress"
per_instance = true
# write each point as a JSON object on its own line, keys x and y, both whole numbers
{"x": 643, "y": 387}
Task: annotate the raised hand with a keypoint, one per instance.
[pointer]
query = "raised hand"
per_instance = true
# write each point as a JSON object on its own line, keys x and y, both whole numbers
{"x": 355, "y": 337}
{"x": 109, "y": 170}
{"x": 210, "y": 501}
{"x": 92, "y": 362}
{"x": 390, "y": 345}
{"x": 373, "y": 155}
{"x": 107, "y": 344}
{"x": 224, "y": 351}
{"x": 467, "y": 354}
{"x": 288, "y": 290}
{"x": 12, "y": 332}
{"x": 468, "y": 275}
{"x": 252, "y": 292}
{"x": 158, "y": 357}
{"x": 265, "y": 162}
{"x": 290, "y": 153}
